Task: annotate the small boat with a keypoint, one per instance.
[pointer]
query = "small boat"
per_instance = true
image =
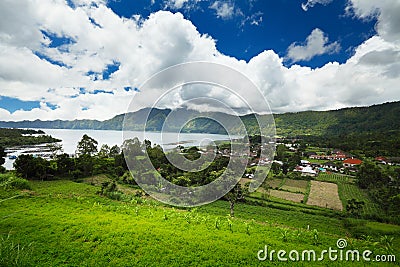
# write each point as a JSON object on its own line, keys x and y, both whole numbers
{"x": 12, "y": 157}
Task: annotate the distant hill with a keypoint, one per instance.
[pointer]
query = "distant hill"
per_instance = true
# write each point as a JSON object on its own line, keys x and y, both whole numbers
{"x": 383, "y": 118}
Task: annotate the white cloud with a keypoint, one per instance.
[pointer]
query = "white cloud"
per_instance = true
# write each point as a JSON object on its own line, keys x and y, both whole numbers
{"x": 176, "y": 4}
{"x": 143, "y": 47}
{"x": 312, "y": 3}
{"x": 386, "y": 11}
{"x": 224, "y": 10}
{"x": 317, "y": 43}
{"x": 187, "y": 5}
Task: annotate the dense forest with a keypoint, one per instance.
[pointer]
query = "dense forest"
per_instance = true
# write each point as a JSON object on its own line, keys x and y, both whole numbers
{"x": 21, "y": 137}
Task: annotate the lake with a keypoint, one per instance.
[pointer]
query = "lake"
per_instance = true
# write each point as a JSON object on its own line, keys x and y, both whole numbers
{"x": 70, "y": 139}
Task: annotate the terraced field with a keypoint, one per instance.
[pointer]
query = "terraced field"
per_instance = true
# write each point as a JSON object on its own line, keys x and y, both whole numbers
{"x": 323, "y": 194}
{"x": 275, "y": 183}
{"x": 295, "y": 185}
{"x": 348, "y": 190}
{"x": 334, "y": 177}
{"x": 295, "y": 197}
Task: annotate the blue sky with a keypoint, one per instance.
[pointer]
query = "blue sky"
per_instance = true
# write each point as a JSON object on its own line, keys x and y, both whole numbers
{"x": 255, "y": 26}
{"x": 88, "y": 58}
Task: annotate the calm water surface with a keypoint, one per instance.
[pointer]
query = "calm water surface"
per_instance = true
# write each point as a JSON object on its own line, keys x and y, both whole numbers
{"x": 70, "y": 139}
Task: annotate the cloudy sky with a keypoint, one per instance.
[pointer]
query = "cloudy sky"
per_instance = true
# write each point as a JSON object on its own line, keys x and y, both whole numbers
{"x": 74, "y": 59}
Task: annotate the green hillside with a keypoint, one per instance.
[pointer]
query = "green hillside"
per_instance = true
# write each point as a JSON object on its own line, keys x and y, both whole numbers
{"x": 374, "y": 119}
{"x": 64, "y": 223}
{"x": 378, "y": 118}
{"x": 375, "y": 130}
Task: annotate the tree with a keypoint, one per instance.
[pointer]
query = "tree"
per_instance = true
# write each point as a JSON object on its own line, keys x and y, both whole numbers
{"x": 370, "y": 175}
{"x": 3, "y": 154}
{"x": 87, "y": 146}
{"x": 280, "y": 152}
{"x": 132, "y": 148}
{"x": 30, "y": 167}
{"x": 104, "y": 151}
{"x": 237, "y": 193}
{"x": 55, "y": 149}
{"x": 114, "y": 151}
{"x": 275, "y": 168}
{"x": 85, "y": 163}
{"x": 354, "y": 206}
{"x": 65, "y": 164}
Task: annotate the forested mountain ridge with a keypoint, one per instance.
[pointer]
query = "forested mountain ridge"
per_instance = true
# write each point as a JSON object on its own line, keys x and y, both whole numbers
{"x": 377, "y": 118}
{"x": 382, "y": 118}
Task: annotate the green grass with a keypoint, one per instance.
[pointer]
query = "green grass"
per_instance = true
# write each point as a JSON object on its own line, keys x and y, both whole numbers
{"x": 295, "y": 186}
{"x": 67, "y": 223}
{"x": 334, "y": 177}
{"x": 348, "y": 190}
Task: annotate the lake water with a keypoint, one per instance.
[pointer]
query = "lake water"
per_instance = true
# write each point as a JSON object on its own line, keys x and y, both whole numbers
{"x": 70, "y": 139}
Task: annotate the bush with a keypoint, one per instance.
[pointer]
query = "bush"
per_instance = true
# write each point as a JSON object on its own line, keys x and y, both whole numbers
{"x": 19, "y": 183}
{"x": 4, "y": 177}
{"x": 9, "y": 181}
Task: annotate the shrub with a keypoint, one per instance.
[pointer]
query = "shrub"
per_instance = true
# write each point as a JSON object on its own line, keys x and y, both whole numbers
{"x": 18, "y": 183}
{"x": 2, "y": 169}
{"x": 8, "y": 181}
{"x": 4, "y": 177}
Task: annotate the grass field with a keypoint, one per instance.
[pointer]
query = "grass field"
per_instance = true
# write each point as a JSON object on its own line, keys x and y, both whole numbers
{"x": 67, "y": 223}
{"x": 275, "y": 183}
{"x": 295, "y": 185}
{"x": 348, "y": 190}
{"x": 295, "y": 197}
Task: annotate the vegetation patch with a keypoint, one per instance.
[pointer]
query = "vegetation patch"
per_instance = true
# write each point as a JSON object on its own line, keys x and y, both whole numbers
{"x": 324, "y": 194}
{"x": 295, "y": 197}
{"x": 295, "y": 185}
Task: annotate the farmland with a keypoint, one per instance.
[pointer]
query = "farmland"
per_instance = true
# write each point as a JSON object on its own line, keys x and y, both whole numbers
{"x": 295, "y": 185}
{"x": 288, "y": 189}
{"x": 67, "y": 223}
{"x": 335, "y": 177}
{"x": 275, "y": 183}
{"x": 324, "y": 194}
{"x": 295, "y": 197}
{"x": 348, "y": 190}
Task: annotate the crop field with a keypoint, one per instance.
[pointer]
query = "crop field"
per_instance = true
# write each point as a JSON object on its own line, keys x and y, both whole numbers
{"x": 334, "y": 177}
{"x": 295, "y": 197}
{"x": 62, "y": 223}
{"x": 275, "y": 183}
{"x": 349, "y": 191}
{"x": 295, "y": 185}
{"x": 324, "y": 194}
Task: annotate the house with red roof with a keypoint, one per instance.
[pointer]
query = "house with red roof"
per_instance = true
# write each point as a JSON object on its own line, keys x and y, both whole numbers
{"x": 351, "y": 162}
{"x": 382, "y": 160}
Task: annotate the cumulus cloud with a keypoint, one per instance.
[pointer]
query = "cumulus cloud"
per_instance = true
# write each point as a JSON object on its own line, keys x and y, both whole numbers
{"x": 69, "y": 77}
{"x": 312, "y": 3}
{"x": 317, "y": 43}
{"x": 386, "y": 11}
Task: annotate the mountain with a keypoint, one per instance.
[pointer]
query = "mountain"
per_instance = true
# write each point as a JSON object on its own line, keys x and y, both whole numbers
{"x": 381, "y": 118}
